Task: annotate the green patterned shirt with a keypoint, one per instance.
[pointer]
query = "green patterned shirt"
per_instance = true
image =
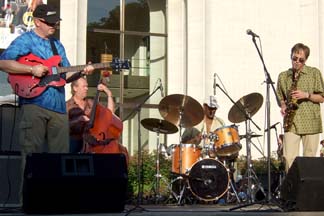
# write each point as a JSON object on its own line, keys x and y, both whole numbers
{"x": 307, "y": 119}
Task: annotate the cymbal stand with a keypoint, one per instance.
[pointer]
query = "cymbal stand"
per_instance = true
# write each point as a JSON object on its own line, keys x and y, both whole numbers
{"x": 158, "y": 175}
{"x": 182, "y": 186}
{"x": 250, "y": 172}
{"x": 232, "y": 185}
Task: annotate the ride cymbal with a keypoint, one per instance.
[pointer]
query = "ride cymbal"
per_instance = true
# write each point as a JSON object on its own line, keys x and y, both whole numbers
{"x": 181, "y": 110}
{"x": 159, "y": 126}
{"x": 250, "y": 103}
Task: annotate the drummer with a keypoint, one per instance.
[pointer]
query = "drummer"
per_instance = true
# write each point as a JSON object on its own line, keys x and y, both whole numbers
{"x": 191, "y": 136}
{"x": 205, "y": 128}
{"x": 210, "y": 122}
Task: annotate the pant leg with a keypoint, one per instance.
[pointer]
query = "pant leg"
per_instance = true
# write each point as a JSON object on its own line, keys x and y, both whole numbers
{"x": 291, "y": 144}
{"x": 310, "y": 144}
{"x": 32, "y": 135}
{"x": 58, "y": 132}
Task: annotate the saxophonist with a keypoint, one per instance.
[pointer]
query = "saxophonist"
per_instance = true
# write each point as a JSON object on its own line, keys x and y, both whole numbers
{"x": 300, "y": 90}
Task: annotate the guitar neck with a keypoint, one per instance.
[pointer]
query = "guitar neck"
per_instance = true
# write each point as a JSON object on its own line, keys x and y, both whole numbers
{"x": 81, "y": 67}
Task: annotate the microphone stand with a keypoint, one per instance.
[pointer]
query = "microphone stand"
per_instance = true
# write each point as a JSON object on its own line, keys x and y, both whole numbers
{"x": 269, "y": 83}
{"x": 138, "y": 109}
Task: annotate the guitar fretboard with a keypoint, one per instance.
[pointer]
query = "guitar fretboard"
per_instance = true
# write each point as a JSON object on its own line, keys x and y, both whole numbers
{"x": 81, "y": 67}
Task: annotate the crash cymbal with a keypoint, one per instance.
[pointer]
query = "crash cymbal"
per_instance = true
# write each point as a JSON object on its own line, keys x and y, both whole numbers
{"x": 250, "y": 103}
{"x": 252, "y": 136}
{"x": 159, "y": 125}
{"x": 175, "y": 108}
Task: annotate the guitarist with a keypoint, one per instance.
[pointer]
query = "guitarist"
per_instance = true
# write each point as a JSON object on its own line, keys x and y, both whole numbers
{"x": 44, "y": 123}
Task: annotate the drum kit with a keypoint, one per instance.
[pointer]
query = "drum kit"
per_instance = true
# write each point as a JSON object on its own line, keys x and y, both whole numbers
{"x": 197, "y": 173}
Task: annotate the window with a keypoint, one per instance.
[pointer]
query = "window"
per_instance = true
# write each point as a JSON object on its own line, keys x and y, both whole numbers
{"x": 140, "y": 36}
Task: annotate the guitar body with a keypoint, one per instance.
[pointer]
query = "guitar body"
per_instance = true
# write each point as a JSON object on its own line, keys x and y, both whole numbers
{"x": 28, "y": 86}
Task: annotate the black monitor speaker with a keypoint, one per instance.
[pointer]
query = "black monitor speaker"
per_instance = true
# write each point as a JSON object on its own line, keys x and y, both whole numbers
{"x": 74, "y": 183}
{"x": 303, "y": 187}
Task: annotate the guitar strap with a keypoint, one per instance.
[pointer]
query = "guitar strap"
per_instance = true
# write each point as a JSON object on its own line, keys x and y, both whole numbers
{"x": 75, "y": 76}
{"x": 54, "y": 50}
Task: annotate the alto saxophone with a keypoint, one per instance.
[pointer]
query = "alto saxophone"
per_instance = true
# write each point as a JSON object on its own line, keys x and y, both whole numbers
{"x": 292, "y": 104}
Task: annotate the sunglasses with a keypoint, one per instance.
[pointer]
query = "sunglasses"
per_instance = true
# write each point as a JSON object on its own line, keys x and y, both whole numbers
{"x": 296, "y": 59}
{"x": 50, "y": 24}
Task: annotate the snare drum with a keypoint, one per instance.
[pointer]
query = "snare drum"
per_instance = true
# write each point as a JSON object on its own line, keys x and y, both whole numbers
{"x": 190, "y": 154}
{"x": 228, "y": 141}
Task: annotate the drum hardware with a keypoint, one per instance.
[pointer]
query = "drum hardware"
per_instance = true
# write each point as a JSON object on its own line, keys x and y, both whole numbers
{"x": 251, "y": 176}
{"x": 184, "y": 111}
{"x": 232, "y": 188}
{"x": 164, "y": 127}
{"x": 243, "y": 110}
{"x": 252, "y": 136}
{"x": 182, "y": 194}
{"x": 208, "y": 145}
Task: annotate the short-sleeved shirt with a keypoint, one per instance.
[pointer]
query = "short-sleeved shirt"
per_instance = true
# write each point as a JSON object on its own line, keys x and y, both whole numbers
{"x": 307, "y": 119}
{"x": 74, "y": 112}
{"x": 53, "y": 98}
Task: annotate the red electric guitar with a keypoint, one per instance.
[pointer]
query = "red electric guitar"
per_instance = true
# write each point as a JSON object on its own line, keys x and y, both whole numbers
{"x": 28, "y": 86}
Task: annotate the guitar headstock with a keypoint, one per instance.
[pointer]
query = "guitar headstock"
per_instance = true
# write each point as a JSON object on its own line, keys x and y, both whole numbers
{"x": 118, "y": 64}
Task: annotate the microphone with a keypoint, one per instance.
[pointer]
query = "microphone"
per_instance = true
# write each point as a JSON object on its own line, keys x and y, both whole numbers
{"x": 214, "y": 84}
{"x": 272, "y": 126}
{"x": 250, "y": 32}
{"x": 161, "y": 88}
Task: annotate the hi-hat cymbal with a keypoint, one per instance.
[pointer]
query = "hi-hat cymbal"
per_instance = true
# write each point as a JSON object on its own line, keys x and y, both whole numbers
{"x": 252, "y": 136}
{"x": 250, "y": 103}
{"x": 159, "y": 126}
{"x": 181, "y": 110}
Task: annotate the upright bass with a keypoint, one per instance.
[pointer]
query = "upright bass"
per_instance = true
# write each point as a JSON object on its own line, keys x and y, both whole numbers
{"x": 103, "y": 131}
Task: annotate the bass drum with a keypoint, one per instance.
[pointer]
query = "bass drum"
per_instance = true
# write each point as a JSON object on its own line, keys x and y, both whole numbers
{"x": 208, "y": 179}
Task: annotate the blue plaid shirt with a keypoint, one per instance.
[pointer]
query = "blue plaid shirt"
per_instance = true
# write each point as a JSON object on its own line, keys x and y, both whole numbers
{"x": 52, "y": 98}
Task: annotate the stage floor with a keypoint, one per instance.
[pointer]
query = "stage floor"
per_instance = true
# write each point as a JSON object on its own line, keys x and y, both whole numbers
{"x": 264, "y": 209}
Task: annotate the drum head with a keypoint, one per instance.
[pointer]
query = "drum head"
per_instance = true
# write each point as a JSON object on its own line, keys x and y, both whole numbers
{"x": 208, "y": 179}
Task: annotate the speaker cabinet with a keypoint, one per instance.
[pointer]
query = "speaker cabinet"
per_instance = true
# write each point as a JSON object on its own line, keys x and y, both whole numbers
{"x": 74, "y": 183}
{"x": 9, "y": 128}
{"x": 10, "y": 180}
{"x": 303, "y": 187}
